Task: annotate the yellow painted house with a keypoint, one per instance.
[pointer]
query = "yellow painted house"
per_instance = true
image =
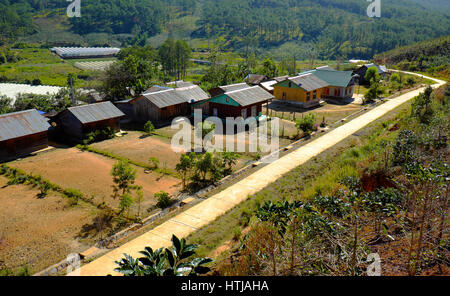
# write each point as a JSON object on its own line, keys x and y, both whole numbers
{"x": 305, "y": 90}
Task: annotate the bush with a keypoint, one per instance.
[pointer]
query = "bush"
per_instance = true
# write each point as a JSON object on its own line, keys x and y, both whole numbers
{"x": 154, "y": 162}
{"x": 164, "y": 200}
{"x": 73, "y": 195}
{"x": 306, "y": 124}
{"x": 99, "y": 135}
{"x": 149, "y": 128}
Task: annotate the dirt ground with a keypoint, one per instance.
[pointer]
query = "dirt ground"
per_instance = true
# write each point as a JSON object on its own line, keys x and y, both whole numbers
{"x": 37, "y": 232}
{"x": 137, "y": 147}
{"x": 330, "y": 112}
{"x": 90, "y": 173}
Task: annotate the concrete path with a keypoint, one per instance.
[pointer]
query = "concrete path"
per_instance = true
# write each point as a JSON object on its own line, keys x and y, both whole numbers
{"x": 207, "y": 211}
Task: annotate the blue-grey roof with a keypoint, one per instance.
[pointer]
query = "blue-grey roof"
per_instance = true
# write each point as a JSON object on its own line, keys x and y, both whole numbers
{"x": 380, "y": 68}
{"x": 20, "y": 124}
{"x": 95, "y": 112}
{"x": 308, "y": 82}
{"x": 175, "y": 96}
{"x": 249, "y": 96}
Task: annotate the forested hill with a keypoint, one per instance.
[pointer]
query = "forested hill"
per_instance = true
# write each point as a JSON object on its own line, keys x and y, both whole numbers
{"x": 334, "y": 28}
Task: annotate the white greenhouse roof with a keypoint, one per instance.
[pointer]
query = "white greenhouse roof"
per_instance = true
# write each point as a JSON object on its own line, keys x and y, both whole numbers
{"x": 12, "y": 90}
{"x": 73, "y": 52}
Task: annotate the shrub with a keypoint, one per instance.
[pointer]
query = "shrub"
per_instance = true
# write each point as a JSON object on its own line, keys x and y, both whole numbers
{"x": 164, "y": 200}
{"x": 149, "y": 128}
{"x": 306, "y": 124}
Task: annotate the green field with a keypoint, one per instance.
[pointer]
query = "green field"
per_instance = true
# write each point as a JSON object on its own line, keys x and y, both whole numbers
{"x": 39, "y": 63}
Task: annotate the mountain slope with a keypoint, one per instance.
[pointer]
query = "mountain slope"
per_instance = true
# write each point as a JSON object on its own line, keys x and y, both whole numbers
{"x": 334, "y": 28}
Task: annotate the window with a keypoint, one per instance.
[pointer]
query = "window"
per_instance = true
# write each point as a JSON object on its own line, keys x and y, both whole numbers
{"x": 290, "y": 84}
{"x": 308, "y": 96}
{"x": 284, "y": 96}
{"x": 315, "y": 95}
{"x": 215, "y": 113}
{"x": 227, "y": 99}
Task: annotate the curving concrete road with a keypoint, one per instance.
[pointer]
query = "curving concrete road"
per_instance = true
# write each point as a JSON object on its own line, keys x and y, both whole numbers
{"x": 208, "y": 210}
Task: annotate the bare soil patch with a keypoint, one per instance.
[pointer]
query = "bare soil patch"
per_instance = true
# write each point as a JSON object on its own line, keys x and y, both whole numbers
{"x": 138, "y": 147}
{"x": 38, "y": 232}
{"x": 90, "y": 173}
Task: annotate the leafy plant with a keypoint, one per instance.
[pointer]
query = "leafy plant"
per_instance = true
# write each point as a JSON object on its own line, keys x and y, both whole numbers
{"x": 173, "y": 261}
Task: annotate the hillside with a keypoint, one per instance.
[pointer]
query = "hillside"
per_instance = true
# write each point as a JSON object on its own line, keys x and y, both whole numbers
{"x": 432, "y": 56}
{"x": 334, "y": 28}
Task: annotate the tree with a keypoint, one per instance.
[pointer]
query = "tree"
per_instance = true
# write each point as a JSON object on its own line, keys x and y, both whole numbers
{"x": 372, "y": 75}
{"x": 149, "y": 128}
{"x": 5, "y": 105}
{"x": 268, "y": 68}
{"x": 174, "y": 261}
{"x": 306, "y": 124}
{"x": 164, "y": 199}
{"x": 185, "y": 165}
{"x": 229, "y": 160}
{"x": 174, "y": 57}
{"x": 124, "y": 176}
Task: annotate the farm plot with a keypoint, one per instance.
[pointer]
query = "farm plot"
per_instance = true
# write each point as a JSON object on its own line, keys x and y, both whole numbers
{"x": 331, "y": 113}
{"x": 94, "y": 65}
{"x": 138, "y": 147}
{"x": 90, "y": 173}
{"x": 38, "y": 232}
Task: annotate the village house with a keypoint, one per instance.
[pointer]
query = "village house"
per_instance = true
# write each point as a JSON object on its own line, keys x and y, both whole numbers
{"x": 268, "y": 84}
{"x": 242, "y": 102}
{"x": 361, "y": 72}
{"x": 305, "y": 90}
{"x": 161, "y": 104}
{"x": 340, "y": 83}
{"x": 77, "y": 122}
{"x": 255, "y": 79}
{"x": 217, "y": 91}
{"x": 22, "y": 133}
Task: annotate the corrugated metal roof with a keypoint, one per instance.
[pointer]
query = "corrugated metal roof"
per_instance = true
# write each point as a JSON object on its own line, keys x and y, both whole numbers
{"x": 255, "y": 78}
{"x": 249, "y": 95}
{"x": 95, "y": 112}
{"x": 192, "y": 93}
{"x": 164, "y": 98}
{"x": 269, "y": 84}
{"x": 308, "y": 82}
{"x": 20, "y": 124}
{"x": 332, "y": 77}
{"x": 381, "y": 69}
{"x": 175, "y": 96}
{"x": 233, "y": 87}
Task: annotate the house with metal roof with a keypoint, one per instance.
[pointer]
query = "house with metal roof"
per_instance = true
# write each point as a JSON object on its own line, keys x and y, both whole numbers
{"x": 22, "y": 133}
{"x": 217, "y": 91}
{"x": 255, "y": 79}
{"x": 77, "y": 122}
{"x": 340, "y": 83}
{"x": 160, "y": 106}
{"x": 305, "y": 90}
{"x": 245, "y": 102}
{"x": 361, "y": 72}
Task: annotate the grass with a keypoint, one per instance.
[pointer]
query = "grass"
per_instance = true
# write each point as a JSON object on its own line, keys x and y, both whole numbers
{"x": 39, "y": 63}
{"x": 318, "y": 175}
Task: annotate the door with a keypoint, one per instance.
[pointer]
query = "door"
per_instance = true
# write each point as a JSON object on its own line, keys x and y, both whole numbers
{"x": 254, "y": 111}
{"x": 244, "y": 113}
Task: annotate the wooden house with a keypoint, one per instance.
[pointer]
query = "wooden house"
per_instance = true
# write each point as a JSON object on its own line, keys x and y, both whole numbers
{"x": 245, "y": 102}
{"x": 77, "y": 122}
{"x": 160, "y": 106}
{"x": 305, "y": 90}
{"x": 22, "y": 133}
{"x": 217, "y": 91}
{"x": 255, "y": 79}
{"x": 361, "y": 72}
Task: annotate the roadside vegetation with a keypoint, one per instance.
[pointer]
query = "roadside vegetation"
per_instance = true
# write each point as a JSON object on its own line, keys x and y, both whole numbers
{"x": 385, "y": 194}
